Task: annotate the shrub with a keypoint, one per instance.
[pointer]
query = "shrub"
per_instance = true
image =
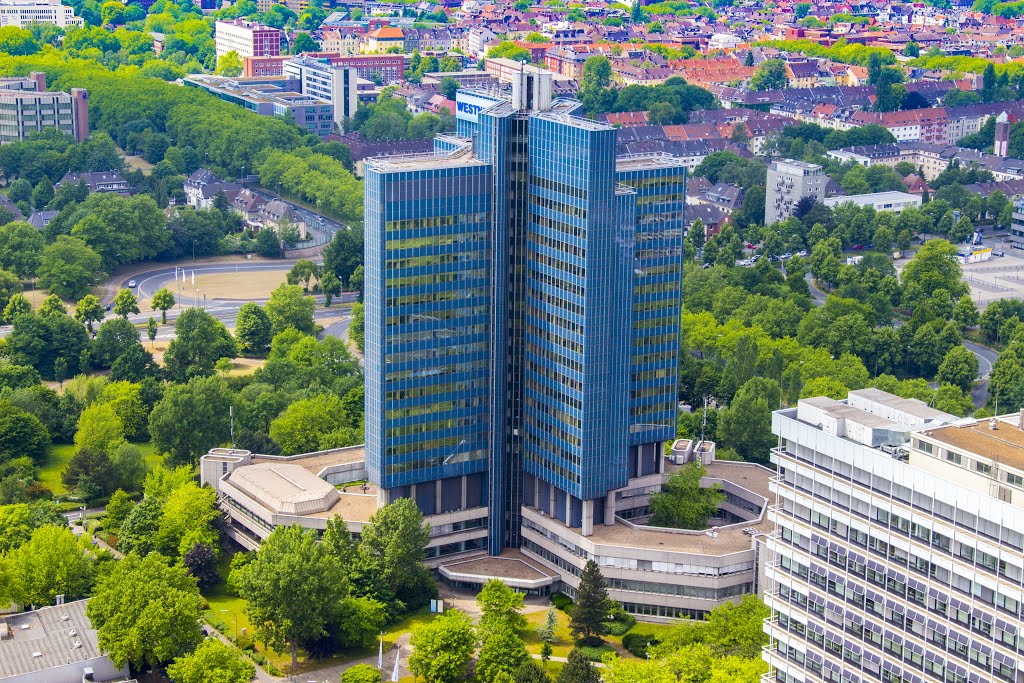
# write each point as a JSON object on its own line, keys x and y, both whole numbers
{"x": 620, "y": 623}
{"x": 637, "y": 643}
{"x": 561, "y": 601}
{"x": 594, "y": 654}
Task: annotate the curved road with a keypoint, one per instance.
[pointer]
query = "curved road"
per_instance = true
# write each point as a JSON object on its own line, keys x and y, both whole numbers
{"x": 986, "y": 356}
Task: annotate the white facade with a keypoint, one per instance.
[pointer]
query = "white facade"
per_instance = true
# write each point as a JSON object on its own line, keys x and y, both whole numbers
{"x": 879, "y": 201}
{"x": 325, "y": 81}
{"x": 23, "y": 12}
{"x": 895, "y": 564}
{"x": 247, "y": 39}
{"x": 788, "y": 182}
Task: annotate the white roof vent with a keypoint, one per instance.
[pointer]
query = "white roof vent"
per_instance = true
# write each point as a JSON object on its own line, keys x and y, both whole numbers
{"x": 72, "y": 633}
{"x": 64, "y": 617}
{"x": 37, "y": 654}
{"x": 77, "y": 644}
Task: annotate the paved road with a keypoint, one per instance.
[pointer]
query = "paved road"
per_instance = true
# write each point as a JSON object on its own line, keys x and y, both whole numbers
{"x": 986, "y": 357}
{"x": 318, "y": 223}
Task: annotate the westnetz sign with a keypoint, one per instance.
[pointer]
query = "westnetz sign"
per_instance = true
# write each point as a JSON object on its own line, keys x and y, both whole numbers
{"x": 468, "y": 107}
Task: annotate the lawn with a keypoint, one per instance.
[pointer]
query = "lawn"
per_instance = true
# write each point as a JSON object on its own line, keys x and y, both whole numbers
{"x": 239, "y": 285}
{"x": 60, "y": 454}
{"x": 563, "y": 639}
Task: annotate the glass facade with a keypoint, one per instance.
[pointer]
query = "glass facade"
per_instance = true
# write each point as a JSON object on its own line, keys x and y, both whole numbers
{"x": 522, "y": 310}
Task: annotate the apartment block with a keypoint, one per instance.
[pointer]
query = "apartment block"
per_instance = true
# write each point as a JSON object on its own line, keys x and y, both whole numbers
{"x": 21, "y": 13}
{"x": 246, "y": 38}
{"x": 898, "y": 554}
{"x": 386, "y": 68}
{"x": 26, "y": 108}
{"x": 788, "y": 182}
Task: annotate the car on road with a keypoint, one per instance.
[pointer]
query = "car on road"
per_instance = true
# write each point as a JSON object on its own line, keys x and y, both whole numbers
{"x": 858, "y": 247}
{"x": 785, "y": 256}
{"x": 998, "y": 252}
{"x": 131, "y": 284}
{"x": 802, "y": 253}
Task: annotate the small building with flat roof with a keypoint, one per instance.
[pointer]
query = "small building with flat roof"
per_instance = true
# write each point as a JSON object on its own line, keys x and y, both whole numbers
{"x": 54, "y": 645}
{"x": 879, "y": 201}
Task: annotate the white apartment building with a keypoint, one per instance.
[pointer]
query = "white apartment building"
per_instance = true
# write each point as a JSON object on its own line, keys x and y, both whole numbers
{"x": 23, "y": 12}
{"x": 336, "y": 84}
{"x": 788, "y": 182}
{"x": 247, "y": 39}
{"x": 898, "y": 554}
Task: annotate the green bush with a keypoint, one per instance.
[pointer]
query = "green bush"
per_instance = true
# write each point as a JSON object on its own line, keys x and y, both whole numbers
{"x": 561, "y": 601}
{"x": 595, "y": 653}
{"x": 620, "y": 623}
{"x": 637, "y": 643}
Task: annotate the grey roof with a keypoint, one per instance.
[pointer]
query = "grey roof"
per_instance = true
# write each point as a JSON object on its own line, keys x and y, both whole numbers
{"x": 40, "y": 219}
{"x": 47, "y": 631}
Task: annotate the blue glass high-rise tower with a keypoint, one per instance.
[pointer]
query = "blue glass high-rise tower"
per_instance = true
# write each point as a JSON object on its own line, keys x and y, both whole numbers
{"x": 522, "y": 313}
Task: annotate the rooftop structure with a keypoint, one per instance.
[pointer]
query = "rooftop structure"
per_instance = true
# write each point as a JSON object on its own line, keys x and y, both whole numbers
{"x": 271, "y": 97}
{"x": 21, "y": 13}
{"x": 55, "y": 645}
{"x": 879, "y": 201}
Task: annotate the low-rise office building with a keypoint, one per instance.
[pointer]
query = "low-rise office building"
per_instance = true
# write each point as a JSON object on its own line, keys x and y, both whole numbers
{"x": 899, "y": 548}
{"x": 334, "y": 83}
{"x": 879, "y": 201}
{"x": 21, "y": 13}
{"x": 657, "y": 574}
{"x": 271, "y": 97}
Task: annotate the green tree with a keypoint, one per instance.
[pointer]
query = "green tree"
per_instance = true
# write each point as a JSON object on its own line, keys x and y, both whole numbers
{"x": 933, "y": 267}
{"x": 289, "y": 307}
{"x": 501, "y": 654}
{"x": 959, "y": 367}
{"x": 163, "y": 300}
{"x": 146, "y": 612}
{"x": 530, "y": 672}
{"x": 69, "y": 268}
{"x": 125, "y": 398}
{"x": 682, "y": 503}
{"x": 191, "y": 419}
{"x": 442, "y": 648}
{"x": 129, "y": 466}
{"x": 10, "y": 285}
{"x": 966, "y": 313}
{"x": 53, "y": 562}
{"x": 290, "y": 588}
{"x": 16, "y": 305}
{"x": 151, "y": 329}
{"x": 592, "y": 609}
{"x": 138, "y": 530}
{"x": 187, "y": 518}
{"x": 448, "y": 87}
{"x": 393, "y": 546}
{"x": 90, "y": 474}
{"x": 52, "y": 307}
{"x": 253, "y": 329}
{"x": 304, "y": 43}
{"x": 330, "y": 285}
{"x": 21, "y": 435}
{"x": 199, "y": 341}
{"x": 125, "y": 303}
{"x": 745, "y": 424}
{"x": 770, "y": 75}
{"x": 307, "y": 424}
{"x": 99, "y": 429}
{"x": 229, "y": 64}
{"x": 912, "y": 50}
{"x": 89, "y": 310}
{"x": 42, "y": 194}
{"x": 113, "y": 339}
{"x": 20, "y": 248}
{"x": 500, "y": 606}
{"x": 212, "y": 662}
{"x": 303, "y": 273}
{"x": 118, "y": 509}
{"x": 579, "y": 669}
{"x": 509, "y": 50}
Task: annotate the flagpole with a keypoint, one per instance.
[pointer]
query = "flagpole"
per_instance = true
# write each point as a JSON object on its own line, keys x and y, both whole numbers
{"x": 398, "y": 658}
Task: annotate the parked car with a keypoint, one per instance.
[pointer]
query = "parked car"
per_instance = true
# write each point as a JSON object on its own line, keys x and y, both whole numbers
{"x": 751, "y": 246}
{"x": 755, "y": 258}
{"x": 786, "y": 256}
{"x": 802, "y": 253}
{"x": 998, "y": 252}
{"x": 858, "y": 247}
{"x": 706, "y": 266}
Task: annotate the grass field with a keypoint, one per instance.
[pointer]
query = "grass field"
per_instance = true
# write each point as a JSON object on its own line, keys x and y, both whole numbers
{"x": 60, "y": 455}
{"x": 250, "y": 285}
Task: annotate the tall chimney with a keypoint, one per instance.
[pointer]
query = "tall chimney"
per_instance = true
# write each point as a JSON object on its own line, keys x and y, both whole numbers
{"x": 40, "y": 79}
{"x": 1001, "y": 148}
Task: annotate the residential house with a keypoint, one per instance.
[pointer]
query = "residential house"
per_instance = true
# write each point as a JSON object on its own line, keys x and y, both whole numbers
{"x": 202, "y": 188}
{"x": 383, "y": 39}
{"x": 101, "y": 181}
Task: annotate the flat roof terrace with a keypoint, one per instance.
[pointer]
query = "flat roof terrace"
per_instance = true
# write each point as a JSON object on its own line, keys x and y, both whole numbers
{"x": 1004, "y": 444}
